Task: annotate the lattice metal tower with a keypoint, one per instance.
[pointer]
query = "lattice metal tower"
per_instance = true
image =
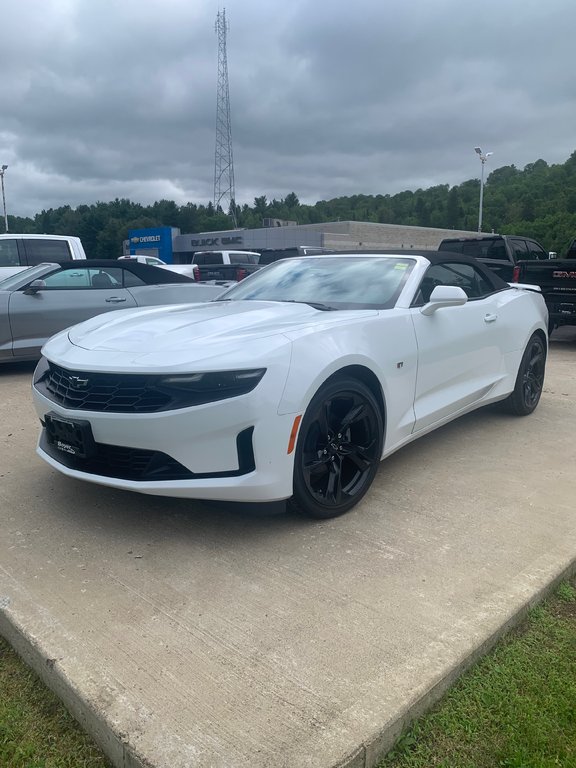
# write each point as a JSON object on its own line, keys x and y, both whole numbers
{"x": 224, "y": 192}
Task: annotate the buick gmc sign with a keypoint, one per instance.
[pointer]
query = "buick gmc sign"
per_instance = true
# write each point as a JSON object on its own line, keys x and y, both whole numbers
{"x": 217, "y": 241}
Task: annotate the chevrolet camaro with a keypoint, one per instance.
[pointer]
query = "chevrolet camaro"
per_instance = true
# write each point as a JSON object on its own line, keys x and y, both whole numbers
{"x": 293, "y": 384}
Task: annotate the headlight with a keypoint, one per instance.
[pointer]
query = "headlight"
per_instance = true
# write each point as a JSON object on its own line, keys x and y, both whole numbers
{"x": 140, "y": 392}
{"x": 198, "y": 388}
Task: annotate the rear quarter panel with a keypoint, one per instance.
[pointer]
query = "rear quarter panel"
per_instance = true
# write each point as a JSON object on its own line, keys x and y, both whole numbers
{"x": 520, "y": 313}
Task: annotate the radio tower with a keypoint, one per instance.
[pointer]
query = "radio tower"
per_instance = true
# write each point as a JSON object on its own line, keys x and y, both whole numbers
{"x": 224, "y": 193}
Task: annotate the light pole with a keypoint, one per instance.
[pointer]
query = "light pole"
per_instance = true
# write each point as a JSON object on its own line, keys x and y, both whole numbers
{"x": 483, "y": 157}
{"x": 2, "y": 172}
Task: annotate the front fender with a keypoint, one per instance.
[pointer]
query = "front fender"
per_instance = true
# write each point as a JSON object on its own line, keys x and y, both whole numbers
{"x": 386, "y": 347}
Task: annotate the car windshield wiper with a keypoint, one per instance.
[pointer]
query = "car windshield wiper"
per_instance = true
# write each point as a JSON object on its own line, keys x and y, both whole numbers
{"x": 315, "y": 304}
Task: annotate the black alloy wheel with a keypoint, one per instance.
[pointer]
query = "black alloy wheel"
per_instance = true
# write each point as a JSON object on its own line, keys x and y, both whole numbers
{"x": 530, "y": 379}
{"x": 339, "y": 448}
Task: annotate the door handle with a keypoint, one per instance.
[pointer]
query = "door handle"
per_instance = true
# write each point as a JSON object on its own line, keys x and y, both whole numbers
{"x": 115, "y": 300}
{"x": 490, "y": 318}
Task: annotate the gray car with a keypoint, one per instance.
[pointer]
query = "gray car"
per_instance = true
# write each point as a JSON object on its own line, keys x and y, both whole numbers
{"x": 40, "y": 301}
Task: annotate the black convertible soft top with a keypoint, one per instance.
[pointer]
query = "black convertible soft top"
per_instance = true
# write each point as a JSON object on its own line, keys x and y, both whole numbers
{"x": 148, "y": 274}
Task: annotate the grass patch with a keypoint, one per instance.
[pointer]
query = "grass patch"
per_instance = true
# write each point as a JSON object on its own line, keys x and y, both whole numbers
{"x": 515, "y": 709}
{"x": 36, "y": 730}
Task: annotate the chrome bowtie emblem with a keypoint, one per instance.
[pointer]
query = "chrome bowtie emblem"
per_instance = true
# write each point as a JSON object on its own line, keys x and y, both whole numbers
{"x": 77, "y": 382}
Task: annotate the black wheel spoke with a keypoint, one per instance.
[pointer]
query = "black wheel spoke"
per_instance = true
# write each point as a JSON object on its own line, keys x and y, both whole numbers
{"x": 353, "y": 415}
{"x": 324, "y": 420}
{"x": 313, "y": 463}
{"x": 360, "y": 460}
{"x": 334, "y": 487}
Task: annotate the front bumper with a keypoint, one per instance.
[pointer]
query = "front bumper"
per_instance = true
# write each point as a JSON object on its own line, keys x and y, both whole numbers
{"x": 231, "y": 450}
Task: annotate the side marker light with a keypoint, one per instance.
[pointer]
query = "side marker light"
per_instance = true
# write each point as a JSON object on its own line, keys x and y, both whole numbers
{"x": 294, "y": 433}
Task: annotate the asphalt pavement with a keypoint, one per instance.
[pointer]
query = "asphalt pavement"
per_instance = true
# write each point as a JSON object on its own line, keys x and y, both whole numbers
{"x": 189, "y": 635}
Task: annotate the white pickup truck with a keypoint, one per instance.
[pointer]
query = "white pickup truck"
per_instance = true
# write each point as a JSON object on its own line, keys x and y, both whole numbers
{"x": 17, "y": 252}
{"x": 219, "y": 265}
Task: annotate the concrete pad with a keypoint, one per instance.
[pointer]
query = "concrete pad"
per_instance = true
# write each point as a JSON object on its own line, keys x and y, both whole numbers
{"x": 189, "y": 635}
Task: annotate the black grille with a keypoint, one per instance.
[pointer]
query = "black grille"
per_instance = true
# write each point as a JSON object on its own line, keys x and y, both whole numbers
{"x": 114, "y": 393}
{"x": 139, "y": 464}
{"x": 120, "y": 462}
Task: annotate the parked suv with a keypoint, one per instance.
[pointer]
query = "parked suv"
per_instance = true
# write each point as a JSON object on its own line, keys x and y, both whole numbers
{"x": 500, "y": 253}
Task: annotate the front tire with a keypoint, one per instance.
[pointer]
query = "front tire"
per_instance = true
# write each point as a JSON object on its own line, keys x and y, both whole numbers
{"x": 530, "y": 379}
{"x": 338, "y": 450}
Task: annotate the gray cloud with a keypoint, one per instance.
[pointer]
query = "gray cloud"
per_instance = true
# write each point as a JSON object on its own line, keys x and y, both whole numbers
{"x": 103, "y": 100}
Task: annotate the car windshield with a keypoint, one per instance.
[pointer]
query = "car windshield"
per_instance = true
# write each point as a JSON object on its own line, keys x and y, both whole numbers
{"x": 352, "y": 282}
{"x": 25, "y": 276}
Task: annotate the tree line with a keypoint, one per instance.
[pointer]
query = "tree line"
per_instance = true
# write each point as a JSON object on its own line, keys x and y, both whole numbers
{"x": 538, "y": 201}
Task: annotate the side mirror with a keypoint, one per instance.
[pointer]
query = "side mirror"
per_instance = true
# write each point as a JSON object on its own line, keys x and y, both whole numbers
{"x": 552, "y": 255}
{"x": 444, "y": 296}
{"x": 34, "y": 287}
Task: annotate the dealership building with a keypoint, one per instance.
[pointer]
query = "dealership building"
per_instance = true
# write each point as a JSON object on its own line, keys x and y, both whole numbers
{"x": 170, "y": 245}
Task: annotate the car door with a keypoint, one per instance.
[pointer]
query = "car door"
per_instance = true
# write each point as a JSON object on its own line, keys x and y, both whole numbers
{"x": 67, "y": 297}
{"x": 459, "y": 349}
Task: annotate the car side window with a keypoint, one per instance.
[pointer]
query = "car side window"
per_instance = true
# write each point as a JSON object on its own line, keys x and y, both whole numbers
{"x": 465, "y": 276}
{"x": 9, "y": 253}
{"x": 68, "y": 278}
{"x": 131, "y": 280}
{"x": 101, "y": 277}
{"x": 519, "y": 249}
{"x": 84, "y": 277}
{"x": 536, "y": 252}
{"x": 39, "y": 251}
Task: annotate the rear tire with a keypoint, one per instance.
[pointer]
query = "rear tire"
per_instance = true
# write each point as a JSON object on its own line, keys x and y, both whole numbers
{"x": 338, "y": 450}
{"x": 530, "y": 379}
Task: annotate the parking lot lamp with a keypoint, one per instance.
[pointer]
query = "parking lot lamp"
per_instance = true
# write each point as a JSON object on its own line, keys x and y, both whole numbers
{"x": 483, "y": 157}
{"x": 2, "y": 172}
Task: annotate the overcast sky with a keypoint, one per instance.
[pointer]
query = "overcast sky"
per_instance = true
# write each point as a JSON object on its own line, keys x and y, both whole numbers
{"x": 117, "y": 98}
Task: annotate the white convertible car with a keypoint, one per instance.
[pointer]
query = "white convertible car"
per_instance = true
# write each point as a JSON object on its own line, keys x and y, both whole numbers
{"x": 293, "y": 384}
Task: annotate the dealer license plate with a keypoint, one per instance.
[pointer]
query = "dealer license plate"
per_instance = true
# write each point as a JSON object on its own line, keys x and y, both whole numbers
{"x": 72, "y": 437}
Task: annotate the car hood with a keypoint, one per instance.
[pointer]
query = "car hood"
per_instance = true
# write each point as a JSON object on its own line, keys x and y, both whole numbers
{"x": 191, "y": 326}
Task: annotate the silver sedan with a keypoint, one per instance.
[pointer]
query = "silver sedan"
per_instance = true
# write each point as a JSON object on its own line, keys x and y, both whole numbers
{"x": 38, "y": 302}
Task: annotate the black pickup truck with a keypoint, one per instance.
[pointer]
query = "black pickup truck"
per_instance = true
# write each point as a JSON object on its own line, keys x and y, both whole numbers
{"x": 501, "y": 253}
{"x": 557, "y": 281}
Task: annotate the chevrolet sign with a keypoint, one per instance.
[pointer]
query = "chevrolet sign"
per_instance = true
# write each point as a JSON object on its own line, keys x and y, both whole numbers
{"x": 147, "y": 239}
